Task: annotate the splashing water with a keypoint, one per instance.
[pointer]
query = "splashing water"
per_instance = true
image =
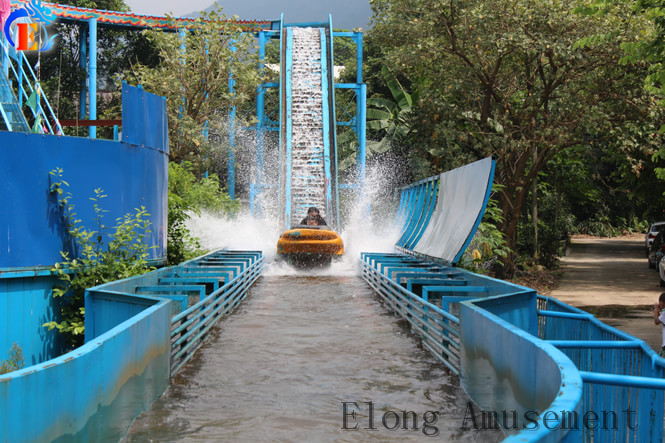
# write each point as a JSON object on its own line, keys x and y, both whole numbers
{"x": 361, "y": 233}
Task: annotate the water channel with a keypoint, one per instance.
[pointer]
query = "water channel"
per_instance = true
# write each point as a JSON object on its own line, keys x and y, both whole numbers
{"x": 282, "y": 367}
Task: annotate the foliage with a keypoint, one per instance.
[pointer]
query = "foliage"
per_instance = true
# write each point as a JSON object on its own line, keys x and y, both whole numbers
{"x": 188, "y": 195}
{"x": 62, "y": 76}
{"x": 390, "y": 116}
{"x": 507, "y": 78}
{"x": 488, "y": 246}
{"x": 194, "y": 75}
{"x": 101, "y": 255}
{"x": 644, "y": 46}
{"x": 15, "y": 361}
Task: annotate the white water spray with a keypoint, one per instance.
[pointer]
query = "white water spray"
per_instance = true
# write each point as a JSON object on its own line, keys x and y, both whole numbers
{"x": 361, "y": 233}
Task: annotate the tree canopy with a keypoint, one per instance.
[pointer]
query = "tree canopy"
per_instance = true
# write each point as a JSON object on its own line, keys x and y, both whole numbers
{"x": 509, "y": 78}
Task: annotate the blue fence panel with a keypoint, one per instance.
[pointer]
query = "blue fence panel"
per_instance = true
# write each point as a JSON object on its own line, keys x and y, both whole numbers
{"x": 144, "y": 118}
{"x": 621, "y": 373}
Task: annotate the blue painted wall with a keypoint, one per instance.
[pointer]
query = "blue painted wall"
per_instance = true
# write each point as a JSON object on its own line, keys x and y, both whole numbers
{"x": 25, "y": 305}
{"x": 32, "y": 226}
{"x": 505, "y": 368}
{"x": 33, "y": 231}
{"x": 94, "y": 392}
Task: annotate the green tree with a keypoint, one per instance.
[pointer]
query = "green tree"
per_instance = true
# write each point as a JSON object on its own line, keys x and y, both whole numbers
{"x": 504, "y": 78}
{"x": 190, "y": 195}
{"x": 194, "y": 76}
{"x": 391, "y": 117}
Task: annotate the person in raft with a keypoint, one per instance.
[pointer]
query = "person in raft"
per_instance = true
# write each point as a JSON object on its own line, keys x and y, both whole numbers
{"x": 659, "y": 319}
{"x": 313, "y": 218}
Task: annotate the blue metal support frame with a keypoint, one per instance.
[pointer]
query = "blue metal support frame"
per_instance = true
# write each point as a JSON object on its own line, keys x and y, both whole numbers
{"x": 83, "y": 62}
{"x": 92, "y": 75}
{"x": 231, "y": 168}
{"x": 357, "y": 122}
{"x": 328, "y": 150}
{"x": 287, "y": 125}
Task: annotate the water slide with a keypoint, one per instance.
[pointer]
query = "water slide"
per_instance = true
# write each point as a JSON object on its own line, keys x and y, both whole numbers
{"x": 307, "y": 148}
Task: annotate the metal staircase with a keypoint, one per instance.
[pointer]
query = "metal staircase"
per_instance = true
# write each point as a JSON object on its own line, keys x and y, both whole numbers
{"x": 12, "y": 116}
{"x": 20, "y": 92}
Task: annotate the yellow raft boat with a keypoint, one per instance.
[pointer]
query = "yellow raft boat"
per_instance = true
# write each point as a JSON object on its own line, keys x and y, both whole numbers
{"x": 311, "y": 245}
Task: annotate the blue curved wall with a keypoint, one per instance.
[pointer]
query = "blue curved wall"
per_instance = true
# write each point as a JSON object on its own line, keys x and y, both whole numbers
{"x": 506, "y": 368}
{"x": 94, "y": 392}
{"x": 32, "y": 227}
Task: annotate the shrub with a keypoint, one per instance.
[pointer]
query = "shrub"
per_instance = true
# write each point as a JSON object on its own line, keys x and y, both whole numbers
{"x": 95, "y": 261}
{"x": 15, "y": 361}
{"x": 189, "y": 195}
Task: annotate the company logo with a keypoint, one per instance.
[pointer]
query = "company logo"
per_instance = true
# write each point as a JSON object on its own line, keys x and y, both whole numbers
{"x": 25, "y": 28}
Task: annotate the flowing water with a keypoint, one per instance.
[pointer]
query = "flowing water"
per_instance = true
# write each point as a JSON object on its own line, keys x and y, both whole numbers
{"x": 302, "y": 359}
{"x": 308, "y": 180}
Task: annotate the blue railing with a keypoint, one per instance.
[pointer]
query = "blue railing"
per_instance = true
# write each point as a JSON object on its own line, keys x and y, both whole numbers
{"x": 622, "y": 375}
{"x": 25, "y": 85}
{"x": 225, "y": 276}
{"x": 568, "y": 376}
{"x": 438, "y": 329}
{"x": 202, "y": 290}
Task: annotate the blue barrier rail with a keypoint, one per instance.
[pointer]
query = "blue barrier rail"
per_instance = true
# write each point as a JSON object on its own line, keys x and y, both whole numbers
{"x": 189, "y": 328}
{"x": 135, "y": 342}
{"x": 620, "y": 372}
{"x": 514, "y": 350}
{"x": 427, "y": 295}
{"x": 202, "y": 290}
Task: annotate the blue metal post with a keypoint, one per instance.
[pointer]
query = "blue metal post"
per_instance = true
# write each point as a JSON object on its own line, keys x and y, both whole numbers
{"x": 83, "y": 62}
{"x": 359, "y": 57}
{"x": 231, "y": 173}
{"x": 257, "y": 184}
{"x": 183, "y": 49}
{"x": 5, "y": 55}
{"x": 289, "y": 125}
{"x": 328, "y": 150}
{"x": 92, "y": 74}
{"x": 361, "y": 112}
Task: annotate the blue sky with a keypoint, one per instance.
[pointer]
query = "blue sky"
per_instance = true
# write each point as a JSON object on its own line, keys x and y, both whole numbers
{"x": 345, "y": 13}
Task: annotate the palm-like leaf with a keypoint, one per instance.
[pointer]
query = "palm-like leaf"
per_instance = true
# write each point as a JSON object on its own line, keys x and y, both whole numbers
{"x": 392, "y": 116}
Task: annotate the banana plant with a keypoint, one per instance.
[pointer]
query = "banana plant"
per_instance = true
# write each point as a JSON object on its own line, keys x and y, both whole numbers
{"x": 390, "y": 115}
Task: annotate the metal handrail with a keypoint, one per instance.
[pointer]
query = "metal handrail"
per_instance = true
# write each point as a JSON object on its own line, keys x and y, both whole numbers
{"x": 25, "y": 77}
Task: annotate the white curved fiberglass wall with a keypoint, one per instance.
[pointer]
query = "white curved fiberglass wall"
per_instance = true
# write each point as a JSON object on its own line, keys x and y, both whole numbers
{"x": 463, "y": 194}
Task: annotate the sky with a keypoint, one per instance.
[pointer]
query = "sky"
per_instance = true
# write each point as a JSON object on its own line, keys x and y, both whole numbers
{"x": 345, "y": 13}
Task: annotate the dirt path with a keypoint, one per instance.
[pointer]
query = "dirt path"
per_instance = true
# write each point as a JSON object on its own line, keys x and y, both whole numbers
{"x": 611, "y": 279}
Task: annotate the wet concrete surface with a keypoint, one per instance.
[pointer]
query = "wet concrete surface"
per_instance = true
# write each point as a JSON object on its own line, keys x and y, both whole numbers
{"x": 611, "y": 279}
